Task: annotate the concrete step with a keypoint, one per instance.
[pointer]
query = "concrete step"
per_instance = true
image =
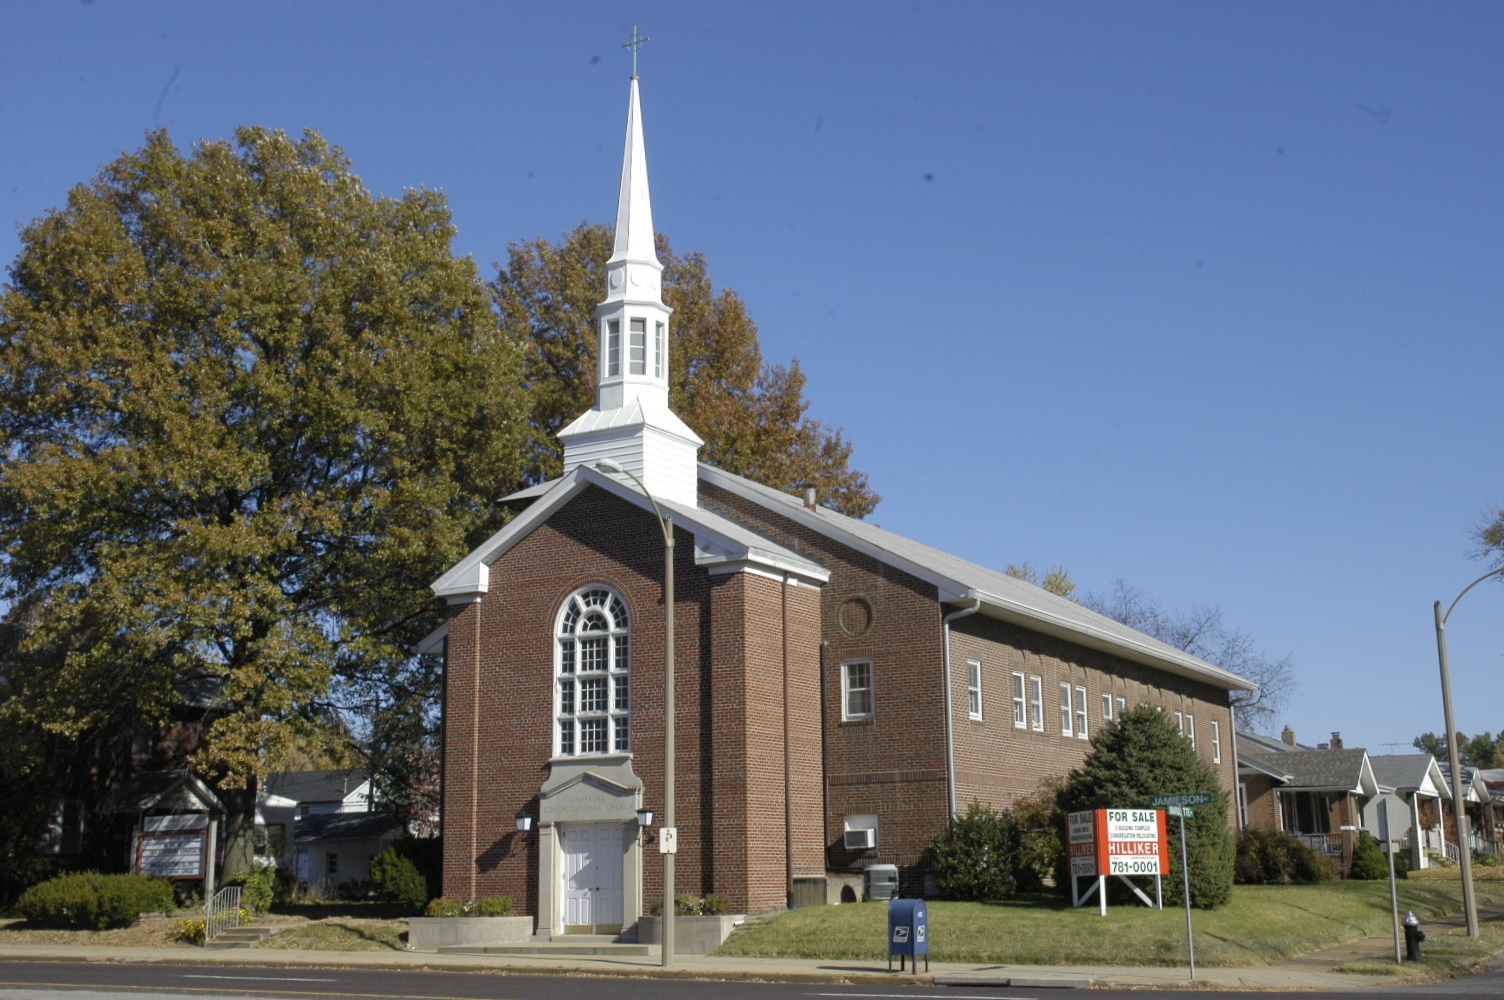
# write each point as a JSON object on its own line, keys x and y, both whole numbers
{"x": 569, "y": 944}
{"x": 247, "y": 936}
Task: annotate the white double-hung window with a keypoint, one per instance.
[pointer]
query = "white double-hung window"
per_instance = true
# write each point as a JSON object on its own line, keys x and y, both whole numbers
{"x": 592, "y": 690}
{"x": 856, "y": 690}
{"x": 1020, "y": 703}
{"x": 1080, "y": 712}
{"x": 1036, "y": 702}
{"x": 974, "y": 688}
{"x": 1065, "y": 708}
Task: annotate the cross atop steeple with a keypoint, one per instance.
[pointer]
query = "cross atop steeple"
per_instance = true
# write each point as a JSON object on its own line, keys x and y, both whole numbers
{"x": 634, "y": 44}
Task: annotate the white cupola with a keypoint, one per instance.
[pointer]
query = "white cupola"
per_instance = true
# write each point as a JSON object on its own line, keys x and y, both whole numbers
{"x": 631, "y": 423}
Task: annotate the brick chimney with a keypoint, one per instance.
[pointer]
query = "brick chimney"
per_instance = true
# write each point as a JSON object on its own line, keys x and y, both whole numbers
{"x": 1336, "y": 741}
{"x": 1288, "y": 736}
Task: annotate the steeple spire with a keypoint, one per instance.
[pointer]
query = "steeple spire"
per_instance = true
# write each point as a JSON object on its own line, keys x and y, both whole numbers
{"x": 631, "y": 422}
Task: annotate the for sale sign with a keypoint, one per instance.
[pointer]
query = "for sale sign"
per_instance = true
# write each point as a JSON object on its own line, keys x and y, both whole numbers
{"x": 1117, "y": 842}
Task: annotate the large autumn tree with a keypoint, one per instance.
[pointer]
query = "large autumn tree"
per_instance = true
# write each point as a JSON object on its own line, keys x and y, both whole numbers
{"x": 752, "y": 415}
{"x": 249, "y": 411}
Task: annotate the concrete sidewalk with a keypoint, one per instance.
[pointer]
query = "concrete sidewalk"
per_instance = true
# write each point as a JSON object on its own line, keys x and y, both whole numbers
{"x": 1312, "y": 971}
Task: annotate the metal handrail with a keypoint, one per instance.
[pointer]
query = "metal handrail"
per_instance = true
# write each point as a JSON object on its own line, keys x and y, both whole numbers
{"x": 222, "y": 913}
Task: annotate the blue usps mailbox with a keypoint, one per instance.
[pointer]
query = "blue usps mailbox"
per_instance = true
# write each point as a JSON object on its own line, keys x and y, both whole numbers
{"x": 908, "y": 932}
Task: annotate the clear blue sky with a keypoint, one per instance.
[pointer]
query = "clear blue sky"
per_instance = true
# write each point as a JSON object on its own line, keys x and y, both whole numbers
{"x": 1205, "y": 297}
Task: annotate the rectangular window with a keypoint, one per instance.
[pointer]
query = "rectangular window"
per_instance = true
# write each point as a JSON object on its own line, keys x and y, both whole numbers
{"x": 623, "y": 735}
{"x": 1080, "y": 712}
{"x": 1122, "y": 704}
{"x": 613, "y": 347}
{"x": 1190, "y": 729}
{"x": 1107, "y": 708}
{"x": 1065, "y": 708}
{"x": 1216, "y": 742}
{"x": 974, "y": 688}
{"x": 1242, "y": 806}
{"x": 658, "y": 351}
{"x": 1036, "y": 703}
{"x": 331, "y": 863}
{"x": 592, "y": 736}
{"x": 1020, "y": 709}
{"x": 637, "y": 347}
{"x": 566, "y": 737}
{"x": 593, "y": 694}
{"x": 1180, "y": 723}
{"x": 856, "y": 689}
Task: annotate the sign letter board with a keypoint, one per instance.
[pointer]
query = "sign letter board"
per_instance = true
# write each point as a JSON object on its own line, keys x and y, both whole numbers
{"x": 1117, "y": 842}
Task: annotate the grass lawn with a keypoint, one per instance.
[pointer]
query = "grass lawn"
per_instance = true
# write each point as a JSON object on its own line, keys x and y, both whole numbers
{"x": 1261, "y": 926}
{"x": 339, "y": 934}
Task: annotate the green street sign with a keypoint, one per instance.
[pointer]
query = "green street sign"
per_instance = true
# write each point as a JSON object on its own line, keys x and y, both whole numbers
{"x": 1184, "y": 812}
{"x": 1184, "y": 799}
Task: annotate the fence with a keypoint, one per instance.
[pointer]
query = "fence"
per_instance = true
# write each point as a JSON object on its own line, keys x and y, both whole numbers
{"x": 222, "y": 912}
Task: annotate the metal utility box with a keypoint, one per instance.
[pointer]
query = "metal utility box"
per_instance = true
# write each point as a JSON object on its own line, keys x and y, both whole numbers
{"x": 908, "y": 932}
{"x": 882, "y": 881}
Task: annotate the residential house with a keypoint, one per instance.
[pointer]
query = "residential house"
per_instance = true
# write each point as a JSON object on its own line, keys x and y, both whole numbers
{"x": 325, "y": 824}
{"x": 1315, "y": 794}
{"x": 1417, "y": 782}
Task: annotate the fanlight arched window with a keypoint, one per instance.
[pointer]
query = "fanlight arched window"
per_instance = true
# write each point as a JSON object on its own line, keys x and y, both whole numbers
{"x": 592, "y": 693}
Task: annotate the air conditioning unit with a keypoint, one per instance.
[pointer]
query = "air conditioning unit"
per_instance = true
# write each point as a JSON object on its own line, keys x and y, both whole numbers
{"x": 861, "y": 840}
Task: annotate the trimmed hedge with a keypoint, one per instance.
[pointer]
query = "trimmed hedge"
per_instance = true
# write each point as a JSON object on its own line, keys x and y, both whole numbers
{"x": 94, "y": 901}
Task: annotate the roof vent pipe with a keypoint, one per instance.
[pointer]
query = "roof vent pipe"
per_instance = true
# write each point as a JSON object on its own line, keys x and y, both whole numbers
{"x": 809, "y": 495}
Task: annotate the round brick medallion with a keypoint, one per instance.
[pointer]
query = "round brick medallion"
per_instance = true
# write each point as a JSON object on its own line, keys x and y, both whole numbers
{"x": 855, "y": 616}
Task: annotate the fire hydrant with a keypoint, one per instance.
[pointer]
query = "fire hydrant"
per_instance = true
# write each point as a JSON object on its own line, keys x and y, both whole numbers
{"x": 1413, "y": 937}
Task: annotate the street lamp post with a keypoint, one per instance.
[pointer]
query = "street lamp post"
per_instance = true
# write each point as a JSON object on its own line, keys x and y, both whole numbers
{"x": 668, "y": 838}
{"x": 1464, "y": 834}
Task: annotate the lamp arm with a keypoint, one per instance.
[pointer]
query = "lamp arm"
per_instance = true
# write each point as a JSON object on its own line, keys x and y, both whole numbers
{"x": 1485, "y": 576}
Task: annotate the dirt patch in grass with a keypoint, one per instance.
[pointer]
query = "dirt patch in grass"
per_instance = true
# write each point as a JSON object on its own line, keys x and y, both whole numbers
{"x": 336, "y": 934}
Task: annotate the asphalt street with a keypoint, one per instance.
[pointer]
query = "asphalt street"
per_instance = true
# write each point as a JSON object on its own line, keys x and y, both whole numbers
{"x": 115, "y": 981}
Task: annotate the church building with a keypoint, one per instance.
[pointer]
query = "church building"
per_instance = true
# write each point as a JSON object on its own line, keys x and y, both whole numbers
{"x": 839, "y": 690}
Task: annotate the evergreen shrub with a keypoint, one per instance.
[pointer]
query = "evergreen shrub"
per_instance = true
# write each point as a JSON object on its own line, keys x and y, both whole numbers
{"x": 397, "y": 879}
{"x": 975, "y": 857}
{"x": 1139, "y": 755}
{"x": 1273, "y": 857}
{"x": 93, "y": 901}
{"x": 1368, "y": 859}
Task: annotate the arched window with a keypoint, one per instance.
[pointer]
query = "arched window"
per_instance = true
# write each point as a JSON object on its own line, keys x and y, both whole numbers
{"x": 592, "y": 696}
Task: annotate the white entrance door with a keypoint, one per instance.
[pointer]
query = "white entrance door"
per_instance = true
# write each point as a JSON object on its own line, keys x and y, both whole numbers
{"x": 594, "y": 855}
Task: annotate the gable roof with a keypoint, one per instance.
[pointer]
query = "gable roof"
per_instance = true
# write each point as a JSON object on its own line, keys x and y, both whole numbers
{"x": 720, "y": 543}
{"x": 179, "y": 790}
{"x": 960, "y": 581}
{"x": 1318, "y": 770}
{"x": 335, "y": 785}
{"x": 1407, "y": 773}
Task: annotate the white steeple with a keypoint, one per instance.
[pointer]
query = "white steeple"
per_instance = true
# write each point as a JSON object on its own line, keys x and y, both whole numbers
{"x": 631, "y": 422}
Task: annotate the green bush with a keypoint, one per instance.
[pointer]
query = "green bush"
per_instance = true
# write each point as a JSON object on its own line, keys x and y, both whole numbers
{"x": 94, "y": 901}
{"x": 1041, "y": 848}
{"x": 258, "y": 887}
{"x": 397, "y": 879}
{"x": 450, "y": 906}
{"x": 1368, "y": 859}
{"x": 975, "y": 857}
{"x": 1273, "y": 857}
{"x": 1140, "y": 755}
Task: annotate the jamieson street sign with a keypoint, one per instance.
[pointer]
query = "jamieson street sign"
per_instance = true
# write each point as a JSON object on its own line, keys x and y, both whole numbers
{"x": 1184, "y": 799}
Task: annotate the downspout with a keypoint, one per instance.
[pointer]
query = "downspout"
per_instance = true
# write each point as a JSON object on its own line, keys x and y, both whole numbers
{"x": 950, "y": 733}
{"x": 788, "y": 805}
{"x": 1237, "y": 782}
{"x": 824, "y": 757}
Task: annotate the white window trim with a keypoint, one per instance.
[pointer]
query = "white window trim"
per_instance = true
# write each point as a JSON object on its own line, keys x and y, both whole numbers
{"x": 1036, "y": 703}
{"x": 1122, "y": 706}
{"x": 1106, "y": 708}
{"x": 1216, "y": 742}
{"x": 1180, "y": 723}
{"x": 1190, "y": 729}
{"x": 1020, "y": 702}
{"x": 617, "y": 673}
{"x": 1080, "y": 712}
{"x": 1067, "y": 715}
{"x": 846, "y": 690}
{"x": 974, "y": 689}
